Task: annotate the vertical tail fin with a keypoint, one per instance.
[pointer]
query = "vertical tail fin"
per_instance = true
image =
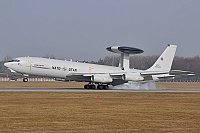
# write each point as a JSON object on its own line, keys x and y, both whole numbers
{"x": 164, "y": 62}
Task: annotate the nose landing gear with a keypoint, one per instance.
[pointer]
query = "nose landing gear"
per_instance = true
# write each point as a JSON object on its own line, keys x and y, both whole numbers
{"x": 25, "y": 79}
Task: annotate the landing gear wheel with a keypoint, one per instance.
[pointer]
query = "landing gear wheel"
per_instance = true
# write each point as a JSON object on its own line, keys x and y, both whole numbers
{"x": 105, "y": 87}
{"x": 86, "y": 86}
{"x": 25, "y": 79}
{"x": 89, "y": 86}
{"x": 102, "y": 87}
{"x": 93, "y": 86}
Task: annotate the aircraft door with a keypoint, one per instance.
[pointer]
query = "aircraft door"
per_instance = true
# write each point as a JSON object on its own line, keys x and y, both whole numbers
{"x": 28, "y": 63}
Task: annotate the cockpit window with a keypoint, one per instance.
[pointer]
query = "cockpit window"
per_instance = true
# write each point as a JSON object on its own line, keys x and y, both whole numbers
{"x": 14, "y": 60}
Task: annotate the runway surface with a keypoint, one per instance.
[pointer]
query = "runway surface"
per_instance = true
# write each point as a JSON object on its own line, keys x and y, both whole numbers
{"x": 84, "y": 90}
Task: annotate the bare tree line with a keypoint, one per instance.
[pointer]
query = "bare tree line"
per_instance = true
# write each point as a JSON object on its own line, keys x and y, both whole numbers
{"x": 144, "y": 62}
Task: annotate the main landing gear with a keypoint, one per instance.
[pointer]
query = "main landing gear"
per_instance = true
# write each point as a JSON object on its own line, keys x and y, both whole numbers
{"x": 99, "y": 87}
{"x": 102, "y": 87}
{"x": 89, "y": 86}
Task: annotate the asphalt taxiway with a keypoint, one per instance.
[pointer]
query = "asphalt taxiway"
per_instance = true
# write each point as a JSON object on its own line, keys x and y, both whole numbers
{"x": 85, "y": 90}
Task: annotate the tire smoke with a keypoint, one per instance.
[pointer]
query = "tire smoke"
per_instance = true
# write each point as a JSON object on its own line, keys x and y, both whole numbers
{"x": 137, "y": 86}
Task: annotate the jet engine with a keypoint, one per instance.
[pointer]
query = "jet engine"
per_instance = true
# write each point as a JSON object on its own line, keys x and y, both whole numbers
{"x": 132, "y": 77}
{"x": 101, "y": 78}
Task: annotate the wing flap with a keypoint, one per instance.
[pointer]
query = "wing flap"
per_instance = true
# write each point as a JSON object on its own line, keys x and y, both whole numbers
{"x": 147, "y": 73}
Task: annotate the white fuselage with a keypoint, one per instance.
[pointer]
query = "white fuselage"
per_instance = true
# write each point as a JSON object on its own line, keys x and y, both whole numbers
{"x": 59, "y": 68}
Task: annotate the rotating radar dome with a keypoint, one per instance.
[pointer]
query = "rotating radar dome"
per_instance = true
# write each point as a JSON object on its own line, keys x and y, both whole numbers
{"x": 124, "y": 49}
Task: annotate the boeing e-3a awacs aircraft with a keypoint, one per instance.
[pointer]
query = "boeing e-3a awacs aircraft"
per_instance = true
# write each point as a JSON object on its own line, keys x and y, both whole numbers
{"x": 98, "y": 74}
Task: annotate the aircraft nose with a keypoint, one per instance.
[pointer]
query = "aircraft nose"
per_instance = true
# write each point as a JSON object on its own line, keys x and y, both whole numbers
{"x": 7, "y": 64}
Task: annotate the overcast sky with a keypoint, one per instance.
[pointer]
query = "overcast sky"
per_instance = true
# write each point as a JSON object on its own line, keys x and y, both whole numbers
{"x": 82, "y": 29}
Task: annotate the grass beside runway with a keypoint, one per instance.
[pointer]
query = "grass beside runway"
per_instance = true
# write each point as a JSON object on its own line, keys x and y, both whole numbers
{"x": 15, "y": 84}
{"x": 99, "y": 112}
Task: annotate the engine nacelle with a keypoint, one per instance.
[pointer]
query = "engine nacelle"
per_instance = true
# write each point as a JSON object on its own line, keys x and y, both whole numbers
{"x": 101, "y": 78}
{"x": 132, "y": 77}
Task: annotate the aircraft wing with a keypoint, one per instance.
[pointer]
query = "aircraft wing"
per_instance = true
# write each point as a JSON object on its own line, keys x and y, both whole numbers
{"x": 181, "y": 73}
{"x": 91, "y": 74}
{"x": 113, "y": 75}
{"x": 84, "y": 74}
{"x": 87, "y": 76}
{"x": 172, "y": 72}
{"x": 147, "y": 73}
{"x": 132, "y": 76}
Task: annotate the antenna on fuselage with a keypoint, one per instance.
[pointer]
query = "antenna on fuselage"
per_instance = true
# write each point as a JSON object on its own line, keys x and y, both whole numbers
{"x": 125, "y": 52}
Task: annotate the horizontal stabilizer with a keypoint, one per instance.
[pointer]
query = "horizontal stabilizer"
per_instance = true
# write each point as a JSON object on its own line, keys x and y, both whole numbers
{"x": 179, "y": 72}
